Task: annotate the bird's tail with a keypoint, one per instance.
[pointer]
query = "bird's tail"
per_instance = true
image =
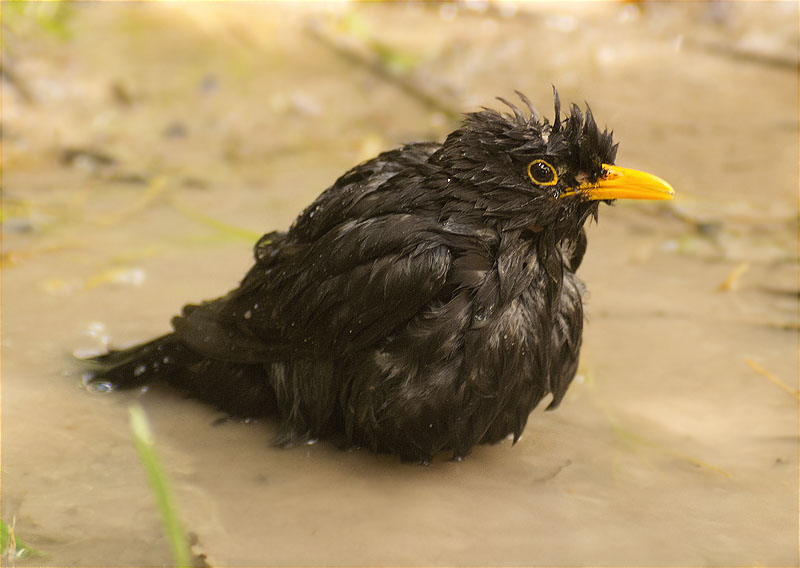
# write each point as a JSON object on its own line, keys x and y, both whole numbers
{"x": 139, "y": 365}
{"x": 238, "y": 388}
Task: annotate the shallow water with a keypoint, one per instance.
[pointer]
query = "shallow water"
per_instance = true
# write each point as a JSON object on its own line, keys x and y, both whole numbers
{"x": 669, "y": 449}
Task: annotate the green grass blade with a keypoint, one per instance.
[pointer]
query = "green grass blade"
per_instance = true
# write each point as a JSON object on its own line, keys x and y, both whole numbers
{"x": 143, "y": 438}
{"x": 19, "y": 548}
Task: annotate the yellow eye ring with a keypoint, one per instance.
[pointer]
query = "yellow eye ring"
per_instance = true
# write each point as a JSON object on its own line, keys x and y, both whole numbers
{"x": 542, "y": 173}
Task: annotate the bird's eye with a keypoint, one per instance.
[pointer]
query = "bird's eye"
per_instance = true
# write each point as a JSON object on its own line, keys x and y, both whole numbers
{"x": 542, "y": 173}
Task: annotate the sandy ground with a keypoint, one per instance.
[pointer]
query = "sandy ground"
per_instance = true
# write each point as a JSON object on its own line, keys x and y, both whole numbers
{"x": 146, "y": 146}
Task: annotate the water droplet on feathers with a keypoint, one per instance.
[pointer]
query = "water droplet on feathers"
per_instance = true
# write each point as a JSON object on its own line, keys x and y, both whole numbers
{"x": 98, "y": 386}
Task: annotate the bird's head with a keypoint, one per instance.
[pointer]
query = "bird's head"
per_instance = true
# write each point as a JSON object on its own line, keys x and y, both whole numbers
{"x": 528, "y": 171}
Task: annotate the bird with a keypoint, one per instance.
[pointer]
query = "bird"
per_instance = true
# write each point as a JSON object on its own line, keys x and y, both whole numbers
{"x": 424, "y": 303}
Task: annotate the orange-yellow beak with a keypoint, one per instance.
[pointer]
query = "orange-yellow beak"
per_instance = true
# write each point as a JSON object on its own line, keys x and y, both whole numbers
{"x": 624, "y": 183}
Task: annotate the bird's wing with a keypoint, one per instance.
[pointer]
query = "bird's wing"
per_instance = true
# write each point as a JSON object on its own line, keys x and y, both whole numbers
{"x": 351, "y": 270}
{"x": 342, "y": 293}
{"x": 351, "y": 288}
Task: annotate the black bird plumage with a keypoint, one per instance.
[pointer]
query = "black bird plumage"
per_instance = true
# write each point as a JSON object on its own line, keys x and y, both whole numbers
{"x": 426, "y": 301}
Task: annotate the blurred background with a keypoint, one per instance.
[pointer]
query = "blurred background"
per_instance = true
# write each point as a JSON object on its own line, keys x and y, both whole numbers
{"x": 146, "y": 146}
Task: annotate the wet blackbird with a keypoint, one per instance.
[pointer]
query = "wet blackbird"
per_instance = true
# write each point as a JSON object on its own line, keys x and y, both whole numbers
{"x": 426, "y": 301}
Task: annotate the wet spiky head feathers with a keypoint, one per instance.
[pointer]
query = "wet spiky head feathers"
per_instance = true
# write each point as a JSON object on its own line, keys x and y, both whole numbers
{"x": 491, "y": 153}
{"x": 490, "y": 138}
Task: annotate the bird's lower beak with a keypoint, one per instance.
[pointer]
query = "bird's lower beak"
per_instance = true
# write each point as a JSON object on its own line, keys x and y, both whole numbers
{"x": 624, "y": 183}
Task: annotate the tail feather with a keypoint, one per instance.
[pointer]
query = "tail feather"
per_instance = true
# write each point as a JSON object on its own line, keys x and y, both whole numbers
{"x": 142, "y": 364}
{"x": 237, "y": 388}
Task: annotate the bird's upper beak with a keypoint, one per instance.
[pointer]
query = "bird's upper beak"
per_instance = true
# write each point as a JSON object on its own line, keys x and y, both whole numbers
{"x": 624, "y": 183}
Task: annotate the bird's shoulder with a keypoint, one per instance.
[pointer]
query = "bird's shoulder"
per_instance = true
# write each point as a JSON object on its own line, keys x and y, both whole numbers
{"x": 354, "y": 194}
